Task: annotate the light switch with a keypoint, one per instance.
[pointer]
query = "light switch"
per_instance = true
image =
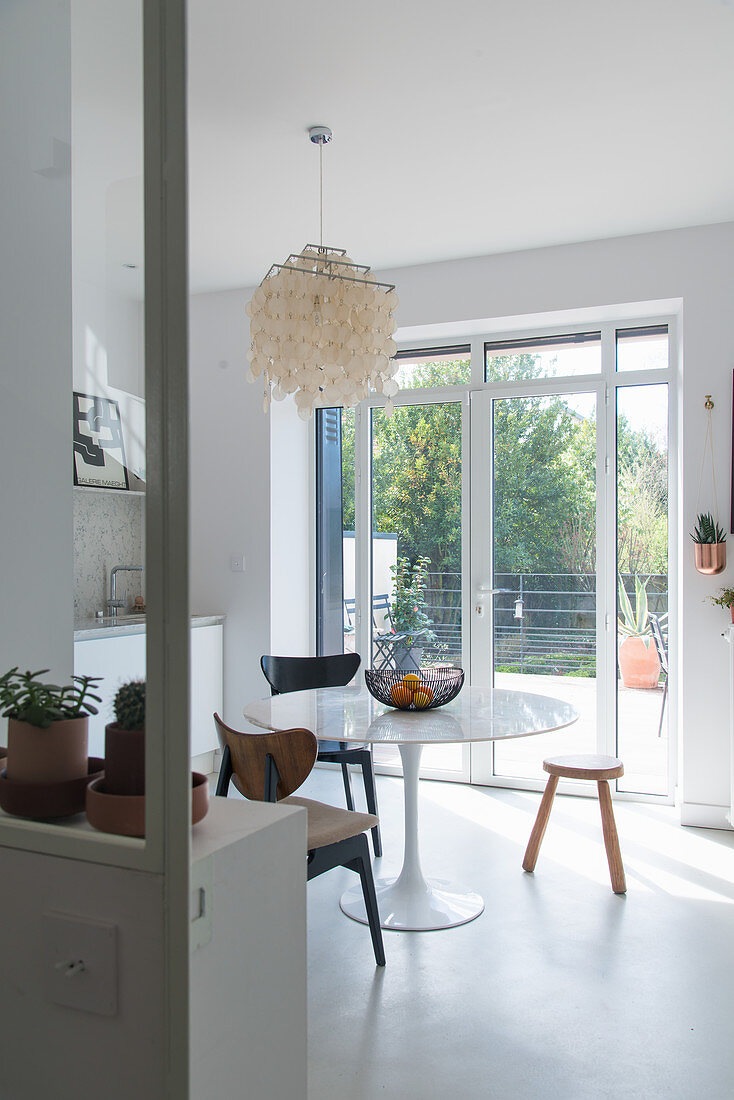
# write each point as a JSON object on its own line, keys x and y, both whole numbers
{"x": 237, "y": 563}
{"x": 80, "y": 957}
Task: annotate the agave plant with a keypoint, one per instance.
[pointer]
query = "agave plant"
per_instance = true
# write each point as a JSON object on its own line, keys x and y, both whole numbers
{"x": 707, "y": 530}
{"x": 634, "y": 623}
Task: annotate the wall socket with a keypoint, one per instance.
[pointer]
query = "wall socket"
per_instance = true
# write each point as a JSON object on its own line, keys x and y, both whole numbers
{"x": 237, "y": 563}
{"x": 80, "y": 962}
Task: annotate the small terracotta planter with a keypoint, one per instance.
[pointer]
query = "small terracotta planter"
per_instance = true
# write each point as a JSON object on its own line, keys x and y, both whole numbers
{"x": 48, "y": 801}
{"x": 639, "y": 664}
{"x": 53, "y": 755}
{"x": 124, "y": 752}
{"x": 710, "y": 557}
{"x": 125, "y": 814}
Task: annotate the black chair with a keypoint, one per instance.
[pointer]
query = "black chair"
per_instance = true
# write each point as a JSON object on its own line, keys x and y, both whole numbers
{"x": 286, "y": 674}
{"x": 659, "y": 639}
{"x": 267, "y": 767}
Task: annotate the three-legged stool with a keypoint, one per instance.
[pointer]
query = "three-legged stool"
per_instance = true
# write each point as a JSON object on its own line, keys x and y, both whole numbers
{"x": 600, "y": 768}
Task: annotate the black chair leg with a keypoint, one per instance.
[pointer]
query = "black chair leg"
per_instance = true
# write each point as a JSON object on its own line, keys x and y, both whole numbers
{"x": 225, "y": 773}
{"x": 363, "y": 867}
{"x": 371, "y": 797}
{"x": 347, "y": 786}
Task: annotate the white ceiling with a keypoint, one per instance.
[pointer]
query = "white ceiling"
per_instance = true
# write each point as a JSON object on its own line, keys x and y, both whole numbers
{"x": 460, "y": 128}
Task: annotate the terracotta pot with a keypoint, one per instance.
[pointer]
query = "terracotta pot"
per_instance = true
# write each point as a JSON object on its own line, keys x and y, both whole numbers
{"x": 710, "y": 557}
{"x": 124, "y": 752}
{"x": 53, "y": 755}
{"x": 47, "y": 801}
{"x": 125, "y": 814}
{"x": 639, "y": 664}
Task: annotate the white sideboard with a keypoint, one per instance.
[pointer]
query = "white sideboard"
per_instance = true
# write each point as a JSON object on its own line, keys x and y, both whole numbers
{"x": 117, "y": 653}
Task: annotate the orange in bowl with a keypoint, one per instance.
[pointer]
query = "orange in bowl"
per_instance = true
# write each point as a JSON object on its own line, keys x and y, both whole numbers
{"x": 401, "y": 694}
{"x": 422, "y": 698}
{"x": 410, "y": 678}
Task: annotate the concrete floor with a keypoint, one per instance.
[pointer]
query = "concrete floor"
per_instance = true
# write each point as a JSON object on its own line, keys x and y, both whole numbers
{"x": 559, "y": 989}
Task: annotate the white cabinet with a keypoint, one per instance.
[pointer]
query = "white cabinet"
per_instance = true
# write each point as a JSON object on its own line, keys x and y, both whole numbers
{"x": 120, "y": 657}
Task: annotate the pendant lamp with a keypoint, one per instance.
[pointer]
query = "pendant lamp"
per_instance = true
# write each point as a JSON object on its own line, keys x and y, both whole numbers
{"x": 321, "y": 326}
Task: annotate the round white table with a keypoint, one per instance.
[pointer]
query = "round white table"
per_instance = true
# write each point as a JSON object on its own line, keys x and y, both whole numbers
{"x": 411, "y": 902}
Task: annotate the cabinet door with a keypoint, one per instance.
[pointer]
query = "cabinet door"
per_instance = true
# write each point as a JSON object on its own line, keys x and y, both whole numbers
{"x": 117, "y": 660}
{"x": 206, "y": 686}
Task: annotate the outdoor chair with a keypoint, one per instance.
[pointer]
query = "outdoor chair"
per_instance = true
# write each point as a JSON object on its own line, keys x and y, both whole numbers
{"x": 660, "y": 645}
{"x": 384, "y": 642}
{"x": 268, "y": 767}
{"x": 286, "y": 674}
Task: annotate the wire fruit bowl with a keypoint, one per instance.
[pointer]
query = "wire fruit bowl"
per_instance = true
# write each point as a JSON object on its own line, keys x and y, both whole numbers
{"x": 422, "y": 690}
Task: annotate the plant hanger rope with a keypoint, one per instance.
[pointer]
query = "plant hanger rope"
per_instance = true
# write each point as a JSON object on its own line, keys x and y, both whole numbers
{"x": 708, "y": 443}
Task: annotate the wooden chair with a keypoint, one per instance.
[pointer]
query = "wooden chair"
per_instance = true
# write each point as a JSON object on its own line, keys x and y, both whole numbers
{"x": 268, "y": 767}
{"x": 601, "y": 769}
{"x": 286, "y": 674}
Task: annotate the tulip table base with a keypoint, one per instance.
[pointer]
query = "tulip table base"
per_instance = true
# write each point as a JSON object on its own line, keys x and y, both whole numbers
{"x": 412, "y": 903}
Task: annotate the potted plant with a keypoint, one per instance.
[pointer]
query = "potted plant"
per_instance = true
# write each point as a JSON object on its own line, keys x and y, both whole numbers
{"x": 124, "y": 743}
{"x": 47, "y": 726}
{"x": 116, "y": 801}
{"x": 709, "y": 544}
{"x": 410, "y": 618}
{"x": 725, "y": 598}
{"x": 639, "y": 664}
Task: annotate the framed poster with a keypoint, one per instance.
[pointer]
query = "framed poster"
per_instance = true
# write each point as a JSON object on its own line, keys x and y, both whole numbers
{"x": 99, "y": 451}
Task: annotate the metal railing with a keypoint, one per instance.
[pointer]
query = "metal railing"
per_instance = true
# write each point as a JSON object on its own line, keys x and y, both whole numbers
{"x": 543, "y": 622}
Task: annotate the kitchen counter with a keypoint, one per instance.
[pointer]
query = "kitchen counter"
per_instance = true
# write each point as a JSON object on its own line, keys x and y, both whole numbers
{"x": 118, "y": 626}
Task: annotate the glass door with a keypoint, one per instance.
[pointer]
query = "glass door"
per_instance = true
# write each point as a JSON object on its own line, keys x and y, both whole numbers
{"x": 537, "y": 611}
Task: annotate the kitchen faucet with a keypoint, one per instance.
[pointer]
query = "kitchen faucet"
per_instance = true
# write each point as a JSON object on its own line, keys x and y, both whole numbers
{"x": 113, "y": 603}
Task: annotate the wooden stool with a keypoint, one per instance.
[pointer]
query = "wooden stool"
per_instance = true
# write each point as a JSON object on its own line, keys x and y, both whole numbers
{"x": 600, "y": 768}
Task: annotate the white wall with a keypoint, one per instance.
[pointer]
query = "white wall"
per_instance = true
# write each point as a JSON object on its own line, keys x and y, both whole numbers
{"x": 230, "y": 493}
{"x": 54, "y": 1051}
{"x": 695, "y": 266}
{"x": 35, "y": 349}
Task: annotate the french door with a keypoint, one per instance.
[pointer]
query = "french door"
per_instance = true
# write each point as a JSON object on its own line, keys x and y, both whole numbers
{"x": 531, "y": 475}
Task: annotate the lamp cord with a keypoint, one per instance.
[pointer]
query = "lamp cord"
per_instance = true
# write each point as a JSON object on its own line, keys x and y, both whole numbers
{"x": 321, "y": 194}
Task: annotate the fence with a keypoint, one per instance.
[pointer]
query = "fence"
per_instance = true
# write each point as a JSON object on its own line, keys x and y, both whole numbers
{"x": 543, "y": 622}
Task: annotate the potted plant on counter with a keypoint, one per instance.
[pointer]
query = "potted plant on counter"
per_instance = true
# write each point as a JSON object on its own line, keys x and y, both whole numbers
{"x": 639, "y": 664}
{"x": 47, "y": 726}
{"x": 46, "y": 768}
{"x": 116, "y": 801}
{"x": 725, "y": 598}
{"x": 124, "y": 742}
{"x": 709, "y": 544}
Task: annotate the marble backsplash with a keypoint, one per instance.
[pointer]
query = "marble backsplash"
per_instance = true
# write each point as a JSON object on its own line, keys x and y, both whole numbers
{"x": 108, "y": 531}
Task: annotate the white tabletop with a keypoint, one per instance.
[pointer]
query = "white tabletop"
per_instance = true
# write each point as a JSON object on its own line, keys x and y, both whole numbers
{"x": 352, "y": 714}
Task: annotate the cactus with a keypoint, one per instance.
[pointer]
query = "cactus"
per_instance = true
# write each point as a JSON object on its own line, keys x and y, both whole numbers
{"x": 129, "y": 705}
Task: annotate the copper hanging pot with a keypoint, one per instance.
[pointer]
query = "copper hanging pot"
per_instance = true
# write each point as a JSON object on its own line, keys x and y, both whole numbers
{"x": 710, "y": 557}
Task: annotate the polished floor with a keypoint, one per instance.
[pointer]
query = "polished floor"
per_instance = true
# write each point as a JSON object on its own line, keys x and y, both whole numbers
{"x": 560, "y": 989}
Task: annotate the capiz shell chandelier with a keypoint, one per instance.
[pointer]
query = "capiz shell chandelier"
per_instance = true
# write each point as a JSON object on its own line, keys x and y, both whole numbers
{"x": 321, "y": 326}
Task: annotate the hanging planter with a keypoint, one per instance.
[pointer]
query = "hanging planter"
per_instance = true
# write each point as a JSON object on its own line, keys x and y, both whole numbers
{"x": 709, "y": 538}
{"x": 709, "y": 545}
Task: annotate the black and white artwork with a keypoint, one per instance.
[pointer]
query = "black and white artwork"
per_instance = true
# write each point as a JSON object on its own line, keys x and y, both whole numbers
{"x": 99, "y": 451}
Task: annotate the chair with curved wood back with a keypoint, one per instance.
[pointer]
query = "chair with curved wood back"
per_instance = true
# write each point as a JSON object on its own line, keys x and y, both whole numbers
{"x": 268, "y": 767}
{"x": 286, "y": 674}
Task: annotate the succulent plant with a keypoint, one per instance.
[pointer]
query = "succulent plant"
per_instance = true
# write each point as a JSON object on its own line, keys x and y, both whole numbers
{"x": 129, "y": 705}
{"x": 24, "y": 698}
{"x": 707, "y": 530}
